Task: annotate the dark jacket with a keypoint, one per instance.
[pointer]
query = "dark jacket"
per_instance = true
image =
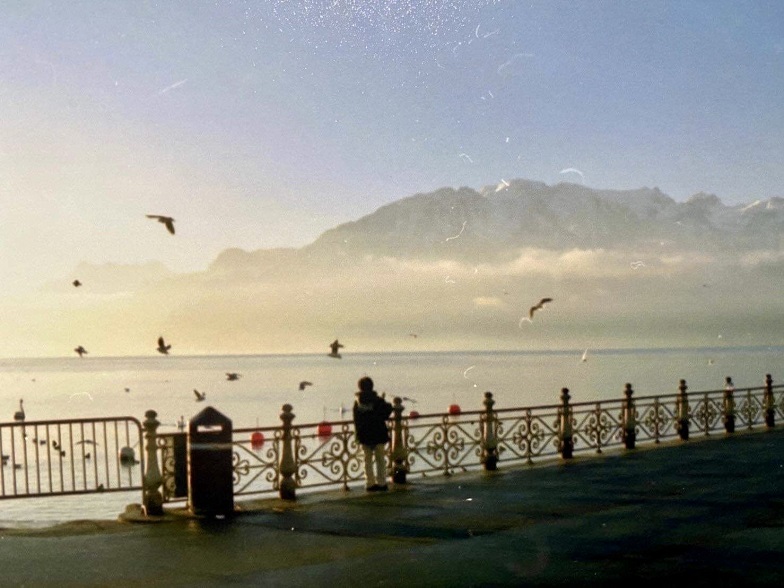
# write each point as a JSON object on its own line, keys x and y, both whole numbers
{"x": 370, "y": 418}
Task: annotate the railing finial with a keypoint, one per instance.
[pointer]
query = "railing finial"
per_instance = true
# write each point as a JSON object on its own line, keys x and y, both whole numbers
{"x": 153, "y": 499}
{"x": 728, "y": 405}
{"x": 769, "y": 402}
{"x": 567, "y": 440}
{"x": 629, "y": 418}
{"x": 288, "y": 467}
{"x": 489, "y": 441}
{"x": 682, "y": 411}
{"x": 399, "y": 453}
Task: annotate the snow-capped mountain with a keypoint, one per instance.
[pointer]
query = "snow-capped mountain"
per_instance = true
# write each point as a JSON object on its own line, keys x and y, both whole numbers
{"x": 499, "y": 220}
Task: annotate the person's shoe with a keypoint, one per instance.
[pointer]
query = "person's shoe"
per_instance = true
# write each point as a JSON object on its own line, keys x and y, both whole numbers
{"x": 383, "y": 488}
{"x": 374, "y": 488}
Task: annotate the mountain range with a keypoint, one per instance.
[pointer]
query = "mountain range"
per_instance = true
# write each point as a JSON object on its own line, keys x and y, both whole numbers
{"x": 460, "y": 268}
{"x": 495, "y": 223}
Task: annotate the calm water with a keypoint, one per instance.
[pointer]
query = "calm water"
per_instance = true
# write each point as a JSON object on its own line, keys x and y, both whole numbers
{"x": 96, "y": 387}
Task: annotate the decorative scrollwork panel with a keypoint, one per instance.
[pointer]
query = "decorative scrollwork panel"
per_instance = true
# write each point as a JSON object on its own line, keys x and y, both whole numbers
{"x": 451, "y": 444}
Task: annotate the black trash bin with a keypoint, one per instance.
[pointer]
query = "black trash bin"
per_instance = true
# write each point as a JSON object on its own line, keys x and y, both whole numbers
{"x": 210, "y": 472}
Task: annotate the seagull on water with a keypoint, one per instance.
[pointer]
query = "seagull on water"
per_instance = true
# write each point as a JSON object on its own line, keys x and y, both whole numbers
{"x": 231, "y": 376}
{"x": 166, "y": 220}
{"x": 76, "y": 283}
{"x": 80, "y": 350}
{"x": 199, "y": 395}
{"x": 334, "y": 346}
{"x": 304, "y": 383}
{"x": 19, "y": 415}
{"x": 162, "y": 347}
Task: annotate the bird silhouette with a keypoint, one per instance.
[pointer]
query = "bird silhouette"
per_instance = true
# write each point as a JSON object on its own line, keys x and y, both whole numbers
{"x": 199, "y": 395}
{"x": 538, "y": 306}
{"x": 162, "y": 347}
{"x": 166, "y": 220}
{"x": 304, "y": 383}
{"x": 334, "y": 346}
{"x": 19, "y": 415}
{"x": 231, "y": 376}
{"x": 80, "y": 350}
{"x": 76, "y": 283}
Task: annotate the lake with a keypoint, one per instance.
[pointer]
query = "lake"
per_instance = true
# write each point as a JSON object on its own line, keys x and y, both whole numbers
{"x": 58, "y": 388}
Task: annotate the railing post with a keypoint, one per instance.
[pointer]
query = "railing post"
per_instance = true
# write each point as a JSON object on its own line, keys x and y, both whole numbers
{"x": 567, "y": 442}
{"x": 629, "y": 418}
{"x": 399, "y": 453}
{"x": 489, "y": 441}
{"x": 682, "y": 411}
{"x": 287, "y": 467}
{"x": 770, "y": 403}
{"x": 152, "y": 497}
{"x": 729, "y": 405}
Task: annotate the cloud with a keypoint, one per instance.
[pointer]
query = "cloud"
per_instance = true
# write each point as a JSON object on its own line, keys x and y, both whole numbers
{"x": 757, "y": 258}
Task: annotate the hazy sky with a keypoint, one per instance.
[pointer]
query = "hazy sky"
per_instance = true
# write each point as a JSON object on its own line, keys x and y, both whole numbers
{"x": 261, "y": 124}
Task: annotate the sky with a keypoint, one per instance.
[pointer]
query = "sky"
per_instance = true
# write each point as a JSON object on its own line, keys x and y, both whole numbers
{"x": 263, "y": 124}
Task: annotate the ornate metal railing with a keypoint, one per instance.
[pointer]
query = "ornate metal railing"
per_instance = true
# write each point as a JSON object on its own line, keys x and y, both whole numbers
{"x": 76, "y": 456}
{"x": 291, "y": 457}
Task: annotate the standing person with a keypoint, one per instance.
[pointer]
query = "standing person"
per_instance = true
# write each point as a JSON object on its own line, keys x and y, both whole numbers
{"x": 371, "y": 412}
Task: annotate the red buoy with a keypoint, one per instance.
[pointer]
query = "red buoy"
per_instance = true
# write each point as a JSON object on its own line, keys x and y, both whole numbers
{"x": 257, "y": 440}
{"x": 454, "y": 409}
{"x": 413, "y": 414}
{"x": 324, "y": 429}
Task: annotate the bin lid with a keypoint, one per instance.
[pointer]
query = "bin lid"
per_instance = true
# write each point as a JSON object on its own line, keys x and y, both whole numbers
{"x": 209, "y": 417}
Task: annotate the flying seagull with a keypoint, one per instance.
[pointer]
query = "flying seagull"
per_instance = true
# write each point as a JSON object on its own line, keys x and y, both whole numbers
{"x": 334, "y": 346}
{"x": 304, "y": 383}
{"x": 162, "y": 347}
{"x": 80, "y": 350}
{"x": 166, "y": 220}
{"x": 538, "y": 306}
{"x": 231, "y": 376}
{"x": 76, "y": 283}
{"x": 199, "y": 395}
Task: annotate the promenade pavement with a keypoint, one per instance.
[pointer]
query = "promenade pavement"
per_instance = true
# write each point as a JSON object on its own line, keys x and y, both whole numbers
{"x": 704, "y": 512}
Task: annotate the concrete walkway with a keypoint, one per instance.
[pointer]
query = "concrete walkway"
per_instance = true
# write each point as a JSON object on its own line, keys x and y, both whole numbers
{"x": 705, "y": 512}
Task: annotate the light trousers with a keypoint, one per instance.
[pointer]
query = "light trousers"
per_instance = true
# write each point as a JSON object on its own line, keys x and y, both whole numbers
{"x": 375, "y": 465}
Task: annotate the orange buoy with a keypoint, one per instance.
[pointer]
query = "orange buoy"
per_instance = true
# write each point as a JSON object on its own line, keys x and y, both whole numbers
{"x": 257, "y": 439}
{"x": 324, "y": 429}
{"x": 413, "y": 414}
{"x": 454, "y": 409}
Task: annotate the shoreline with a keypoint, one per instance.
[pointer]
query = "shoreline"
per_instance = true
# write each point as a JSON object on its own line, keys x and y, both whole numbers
{"x": 558, "y": 351}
